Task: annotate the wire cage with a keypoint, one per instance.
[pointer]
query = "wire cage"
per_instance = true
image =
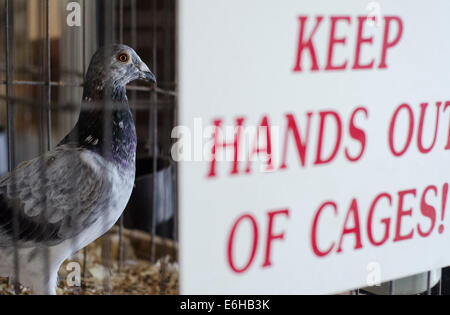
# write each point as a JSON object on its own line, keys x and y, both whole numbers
{"x": 45, "y": 50}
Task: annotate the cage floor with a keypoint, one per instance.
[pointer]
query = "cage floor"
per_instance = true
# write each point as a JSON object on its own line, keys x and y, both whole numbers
{"x": 137, "y": 276}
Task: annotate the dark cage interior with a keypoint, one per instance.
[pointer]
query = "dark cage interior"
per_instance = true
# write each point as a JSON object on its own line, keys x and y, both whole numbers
{"x": 45, "y": 48}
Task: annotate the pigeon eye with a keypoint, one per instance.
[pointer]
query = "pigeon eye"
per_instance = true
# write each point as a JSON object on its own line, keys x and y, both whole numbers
{"x": 123, "y": 58}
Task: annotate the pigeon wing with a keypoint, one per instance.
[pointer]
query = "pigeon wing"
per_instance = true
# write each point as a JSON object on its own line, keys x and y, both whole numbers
{"x": 54, "y": 197}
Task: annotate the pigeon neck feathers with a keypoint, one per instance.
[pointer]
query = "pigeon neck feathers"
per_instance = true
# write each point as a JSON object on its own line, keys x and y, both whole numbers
{"x": 96, "y": 90}
{"x": 109, "y": 132}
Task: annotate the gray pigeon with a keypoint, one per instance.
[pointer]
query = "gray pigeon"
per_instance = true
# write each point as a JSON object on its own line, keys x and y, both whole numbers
{"x": 75, "y": 193}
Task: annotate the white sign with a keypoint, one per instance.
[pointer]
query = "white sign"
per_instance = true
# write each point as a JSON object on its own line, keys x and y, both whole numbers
{"x": 314, "y": 143}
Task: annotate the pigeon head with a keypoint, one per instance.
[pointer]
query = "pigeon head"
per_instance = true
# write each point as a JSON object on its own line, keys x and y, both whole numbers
{"x": 111, "y": 69}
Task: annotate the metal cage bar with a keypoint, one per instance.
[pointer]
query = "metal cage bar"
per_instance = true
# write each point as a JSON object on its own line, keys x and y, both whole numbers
{"x": 10, "y": 137}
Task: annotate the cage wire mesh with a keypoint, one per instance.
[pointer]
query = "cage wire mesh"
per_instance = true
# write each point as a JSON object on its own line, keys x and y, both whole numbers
{"x": 42, "y": 67}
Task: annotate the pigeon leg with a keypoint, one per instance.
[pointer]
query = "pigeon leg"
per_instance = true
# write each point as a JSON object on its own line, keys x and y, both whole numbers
{"x": 43, "y": 285}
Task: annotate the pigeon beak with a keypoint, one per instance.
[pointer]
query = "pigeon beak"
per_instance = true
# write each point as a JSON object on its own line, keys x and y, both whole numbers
{"x": 145, "y": 73}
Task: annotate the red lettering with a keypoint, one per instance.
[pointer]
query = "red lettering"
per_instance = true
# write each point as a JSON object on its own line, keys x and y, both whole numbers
{"x": 333, "y": 41}
{"x": 231, "y": 240}
{"x": 270, "y": 236}
{"x": 355, "y": 229}
{"x": 410, "y": 130}
{"x": 385, "y": 221}
{"x": 357, "y": 134}
{"x": 234, "y": 145}
{"x": 315, "y": 247}
{"x": 389, "y": 44}
{"x": 302, "y": 144}
{"x": 308, "y": 44}
{"x": 428, "y": 211}
{"x": 263, "y": 127}
{"x": 360, "y": 40}
{"x": 323, "y": 116}
{"x": 402, "y": 213}
{"x": 424, "y": 106}
{"x": 447, "y": 147}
